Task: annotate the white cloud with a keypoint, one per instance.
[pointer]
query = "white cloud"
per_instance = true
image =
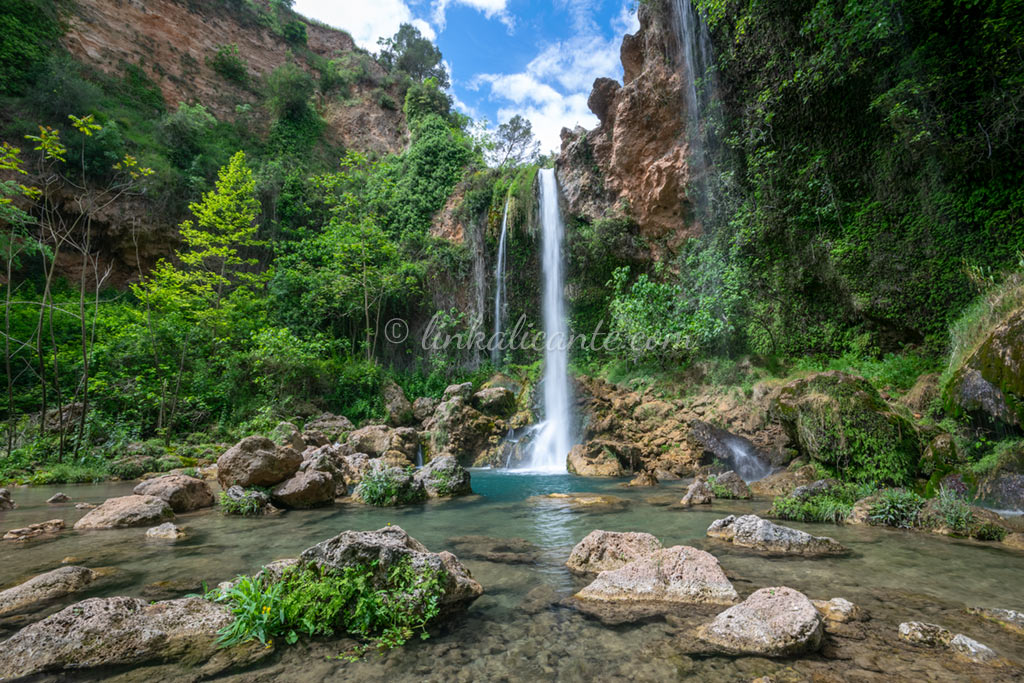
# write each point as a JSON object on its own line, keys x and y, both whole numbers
{"x": 626, "y": 22}
{"x": 367, "y": 21}
{"x": 490, "y": 8}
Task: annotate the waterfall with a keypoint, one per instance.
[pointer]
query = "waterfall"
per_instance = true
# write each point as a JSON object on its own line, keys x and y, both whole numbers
{"x": 553, "y": 441}
{"x": 695, "y": 46}
{"x": 744, "y": 463}
{"x": 499, "y": 288}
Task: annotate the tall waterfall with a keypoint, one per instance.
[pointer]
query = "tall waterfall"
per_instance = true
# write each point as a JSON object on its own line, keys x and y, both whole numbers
{"x": 695, "y": 46}
{"x": 499, "y": 288}
{"x": 553, "y": 440}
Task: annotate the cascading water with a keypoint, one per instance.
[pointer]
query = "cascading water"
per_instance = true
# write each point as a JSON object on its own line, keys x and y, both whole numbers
{"x": 499, "y": 289}
{"x": 554, "y": 439}
{"x": 695, "y": 46}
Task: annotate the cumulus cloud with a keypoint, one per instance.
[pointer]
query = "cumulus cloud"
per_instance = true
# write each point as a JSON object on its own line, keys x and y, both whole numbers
{"x": 366, "y": 21}
{"x": 491, "y": 9}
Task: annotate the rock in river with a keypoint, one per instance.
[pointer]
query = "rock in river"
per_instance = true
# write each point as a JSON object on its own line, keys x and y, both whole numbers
{"x": 182, "y": 492}
{"x": 750, "y": 531}
{"x": 126, "y": 511}
{"x": 44, "y": 588}
{"x": 256, "y": 461}
{"x": 606, "y": 550}
{"x": 772, "y": 622}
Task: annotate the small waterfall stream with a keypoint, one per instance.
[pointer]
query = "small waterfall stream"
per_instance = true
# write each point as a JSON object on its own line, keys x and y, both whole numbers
{"x": 554, "y": 439}
{"x": 500, "y": 299}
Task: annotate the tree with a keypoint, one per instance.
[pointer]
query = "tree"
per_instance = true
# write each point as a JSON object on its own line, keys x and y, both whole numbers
{"x": 408, "y": 51}
{"x": 290, "y": 89}
{"x": 514, "y": 144}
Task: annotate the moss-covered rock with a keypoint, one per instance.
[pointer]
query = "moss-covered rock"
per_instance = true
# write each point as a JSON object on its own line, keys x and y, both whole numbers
{"x": 990, "y": 384}
{"x": 842, "y": 422}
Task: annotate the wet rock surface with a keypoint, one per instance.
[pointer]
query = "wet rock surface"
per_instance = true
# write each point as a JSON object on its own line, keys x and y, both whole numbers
{"x": 181, "y": 492}
{"x": 48, "y": 528}
{"x": 750, "y": 531}
{"x": 167, "y": 531}
{"x": 772, "y": 622}
{"x": 444, "y": 477}
{"x": 607, "y": 550}
{"x": 126, "y": 511}
{"x": 42, "y": 589}
{"x": 256, "y": 461}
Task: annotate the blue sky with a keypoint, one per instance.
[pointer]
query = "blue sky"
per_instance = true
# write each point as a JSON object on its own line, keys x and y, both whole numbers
{"x": 537, "y": 58}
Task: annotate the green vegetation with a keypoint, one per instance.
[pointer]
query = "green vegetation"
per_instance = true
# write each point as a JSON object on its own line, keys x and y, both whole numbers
{"x": 231, "y": 67}
{"x": 898, "y": 508}
{"x": 832, "y": 505}
{"x": 383, "y": 608}
{"x": 389, "y": 486}
{"x": 251, "y": 503}
{"x": 954, "y": 511}
{"x": 717, "y": 489}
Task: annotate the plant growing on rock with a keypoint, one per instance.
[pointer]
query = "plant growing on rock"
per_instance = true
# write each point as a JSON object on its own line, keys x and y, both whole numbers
{"x": 954, "y": 510}
{"x": 897, "y": 508}
{"x": 990, "y": 532}
{"x": 251, "y": 503}
{"x": 717, "y": 489}
{"x": 831, "y": 505}
{"x": 389, "y": 486}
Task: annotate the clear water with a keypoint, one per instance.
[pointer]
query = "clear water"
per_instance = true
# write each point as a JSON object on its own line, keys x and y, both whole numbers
{"x": 499, "y": 288}
{"x": 895, "y": 576}
{"x": 553, "y": 441}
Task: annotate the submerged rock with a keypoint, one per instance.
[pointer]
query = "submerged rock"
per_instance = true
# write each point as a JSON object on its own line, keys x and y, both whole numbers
{"x": 1009, "y": 619}
{"x": 750, "y": 531}
{"x": 384, "y": 549}
{"x": 676, "y": 575}
{"x": 444, "y": 477}
{"x": 58, "y": 498}
{"x": 126, "y": 511}
{"x": 103, "y": 632}
{"x": 49, "y": 527}
{"x": 307, "y": 489}
{"x": 597, "y": 501}
{"x": 839, "y": 610}
{"x": 43, "y": 589}
{"x": 607, "y": 550}
{"x": 923, "y": 634}
{"x": 181, "y": 492}
{"x": 491, "y": 549}
{"x": 5, "y": 500}
{"x": 697, "y": 493}
{"x": 256, "y": 461}
{"x": 772, "y": 622}
{"x": 168, "y": 531}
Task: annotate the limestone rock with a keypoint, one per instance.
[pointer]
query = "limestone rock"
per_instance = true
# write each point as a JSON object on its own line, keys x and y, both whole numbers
{"x": 496, "y": 401}
{"x": 772, "y": 622}
{"x": 601, "y": 458}
{"x": 400, "y": 485}
{"x": 49, "y": 527}
{"x": 5, "y": 500}
{"x": 443, "y": 477}
{"x": 58, "y": 498}
{"x": 607, "y": 550}
{"x": 332, "y": 426}
{"x": 923, "y": 634}
{"x": 307, "y": 489}
{"x": 644, "y": 478}
{"x": 423, "y": 408}
{"x": 168, "y": 531}
{"x": 85, "y": 506}
{"x": 990, "y": 384}
{"x": 784, "y": 482}
{"x": 181, "y": 492}
{"x": 839, "y": 610}
{"x": 384, "y": 549}
{"x": 697, "y": 493}
{"x": 125, "y": 631}
{"x": 126, "y": 511}
{"x": 971, "y": 650}
{"x": 676, "y": 575}
{"x": 731, "y": 484}
{"x": 586, "y": 501}
{"x": 459, "y": 429}
{"x": 256, "y": 461}
{"x": 750, "y": 531}
{"x": 1009, "y": 619}
{"x": 254, "y": 497}
{"x": 287, "y": 434}
{"x": 43, "y": 589}
{"x": 398, "y": 406}
{"x": 463, "y": 391}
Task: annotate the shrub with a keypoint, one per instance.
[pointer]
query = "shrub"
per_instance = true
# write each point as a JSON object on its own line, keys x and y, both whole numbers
{"x": 294, "y": 32}
{"x": 252, "y": 503}
{"x": 897, "y": 508}
{"x": 717, "y": 489}
{"x": 389, "y": 486}
{"x": 954, "y": 511}
{"x": 289, "y": 89}
{"x": 832, "y": 505}
{"x": 229, "y": 65}
{"x": 990, "y": 532}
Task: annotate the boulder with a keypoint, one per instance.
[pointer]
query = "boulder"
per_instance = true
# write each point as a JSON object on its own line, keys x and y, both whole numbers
{"x": 352, "y": 467}
{"x": 971, "y": 650}
{"x": 697, "y": 493}
{"x": 102, "y": 632}
{"x": 5, "y": 500}
{"x": 287, "y": 434}
{"x": 254, "y": 497}
{"x": 443, "y": 477}
{"x": 644, "y": 478}
{"x": 463, "y": 391}
{"x": 256, "y": 461}
{"x": 1012, "y": 620}
{"x": 496, "y": 401}
{"x": 784, "y": 482}
{"x": 460, "y": 429}
{"x": 676, "y": 575}
{"x": 385, "y": 486}
{"x": 374, "y": 440}
{"x": 607, "y": 550}
{"x": 423, "y": 408}
{"x": 181, "y": 492}
{"x": 602, "y": 96}
{"x": 307, "y": 489}
{"x": 923, "y": 634}
{"x": 43, "y": 589}
{"x": 49, "y": 527}
{"x": 314, "y": 438}
{"x": 990, "y": 383}
{"x": 750, "y": 531}
{"x": 841, "y": 421}
{"x": 168, "y": 531}
{"x": 386, "y": 548}
{"x": 332, "y": 426}
{"x": 126, "y": 511}
{"x": 58, "y": 498}
{"x": 398, "y": 406}
{"x": 729, "y": 485}
{"x": 838, "y": 610}
{"x": 772, "y": 622}
{"x": 1003, "y": 489}
{"x": 602, "y": 458}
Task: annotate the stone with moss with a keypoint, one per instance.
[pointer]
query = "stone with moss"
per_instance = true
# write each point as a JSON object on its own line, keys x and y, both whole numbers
{"x": 841, "y": 421}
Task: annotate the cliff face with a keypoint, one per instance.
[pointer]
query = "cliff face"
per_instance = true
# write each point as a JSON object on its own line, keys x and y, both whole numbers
{"x": 171, "y": 41}
{"x": 635, "y": 162}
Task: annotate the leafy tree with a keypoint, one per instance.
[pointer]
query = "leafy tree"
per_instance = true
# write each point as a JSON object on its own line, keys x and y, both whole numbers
{"x": 515, "y": 144}
{"x": 409, "y": 52}
{"x": 289, "y": 90}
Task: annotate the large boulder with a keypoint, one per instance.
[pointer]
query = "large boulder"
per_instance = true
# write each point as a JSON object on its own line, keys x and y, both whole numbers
{"x": 43, "y": 589}
{"x": 384, "y": 486}
{"x": 676, "y": 575}
{"x": 496, "y": 401}
{"x": 306, "y": 489}
{"x": 256, "y": 461}
{"x": 332, "y": 426}
{"x": 990, "y": 383}
{"x": 772, "y": 622}
{"x": 607, "y": 550}
{"x": 750, "y": 531}
{"x": 181, "y": 492}
{"x": 729, "y": 485}
{"x": 104, "y": 632}
{"x": 388, "y": 547}
{"x": 5, "y": 500}
{"x": 841, "y": 421}
{"x": 423, "y": 408}
{"x": 697, "y": 493}
{"x": 460, "y": 429}
{"x": 783, "y": 482}
{"x": 601, "y": 458}
{"x": 443, "y": 477}
{"x": 287, "y": 434}
{"x": 398, "y": 406}
{"x": 374, "y": 440}
{"x": 127, "y": 511}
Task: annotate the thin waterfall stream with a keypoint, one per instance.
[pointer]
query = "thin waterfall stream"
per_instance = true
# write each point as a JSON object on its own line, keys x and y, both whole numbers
{"x": 500, "y": 298}
{"x": 554, "y": 439}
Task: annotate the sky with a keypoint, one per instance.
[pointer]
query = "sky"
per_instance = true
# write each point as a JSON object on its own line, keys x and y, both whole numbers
{"x": 536, "y": 58}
